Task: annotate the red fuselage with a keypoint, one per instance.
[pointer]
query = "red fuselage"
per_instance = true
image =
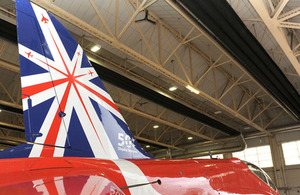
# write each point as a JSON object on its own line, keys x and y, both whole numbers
{"x": 33, "y": 175}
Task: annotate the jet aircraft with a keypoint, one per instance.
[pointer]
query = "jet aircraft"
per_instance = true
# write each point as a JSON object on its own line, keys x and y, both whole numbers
{"x": 77, "y": 140}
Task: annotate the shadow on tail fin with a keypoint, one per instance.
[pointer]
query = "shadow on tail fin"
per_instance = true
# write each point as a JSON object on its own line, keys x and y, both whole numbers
{"x": 67, "y": 110}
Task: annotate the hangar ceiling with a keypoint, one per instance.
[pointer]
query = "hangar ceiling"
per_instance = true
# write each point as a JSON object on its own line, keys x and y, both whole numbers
{"x": 157, "y": 44}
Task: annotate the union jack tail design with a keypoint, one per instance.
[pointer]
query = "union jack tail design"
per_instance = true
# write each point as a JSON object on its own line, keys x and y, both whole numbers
{"x": 67, "y": 110}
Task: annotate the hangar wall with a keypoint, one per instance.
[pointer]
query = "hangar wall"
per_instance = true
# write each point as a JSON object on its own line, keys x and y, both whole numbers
{"x": 286, "y": 177}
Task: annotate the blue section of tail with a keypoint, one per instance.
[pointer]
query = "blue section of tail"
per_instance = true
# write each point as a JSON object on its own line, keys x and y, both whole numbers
{"x": 119, "y": 134}
{"x": 31, "y": 35}
{"x": 67, "y": 110}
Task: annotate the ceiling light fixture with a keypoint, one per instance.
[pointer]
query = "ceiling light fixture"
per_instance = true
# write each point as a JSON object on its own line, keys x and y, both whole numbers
{"x": 172, "y": 88}
{"x": 147, "y": 146}
{"x": 190, "y": 138}
{"x": 218, "y": 112}
{"x": 155, "y": 126}
{"x": 192, "y": 89}
{"x": 95, "y": 48}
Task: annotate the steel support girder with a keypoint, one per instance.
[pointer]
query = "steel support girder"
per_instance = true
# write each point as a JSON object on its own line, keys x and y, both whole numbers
{"x": 274, "y": 25}
{"x": 158, "y": 143}
{"x": 216, "y": 102}
{"x": 140, "y": 90}
{"x": 11, "y": 107}
{"x": 219, "y": 18}
{"x": 11, "y": 141}
{"x": 9, "y": 66}
{"x": 289, "y": 14}
{"x": 145, "y": 115}
{"x": 12, "y": 127}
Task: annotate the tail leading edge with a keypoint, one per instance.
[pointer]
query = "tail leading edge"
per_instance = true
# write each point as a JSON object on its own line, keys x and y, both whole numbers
{"x": 67, "y": 110}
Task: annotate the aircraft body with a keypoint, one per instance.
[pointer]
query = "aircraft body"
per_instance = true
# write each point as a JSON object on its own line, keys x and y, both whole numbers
{"x": 176, "y": 176}
{"x": 77, "y": 140}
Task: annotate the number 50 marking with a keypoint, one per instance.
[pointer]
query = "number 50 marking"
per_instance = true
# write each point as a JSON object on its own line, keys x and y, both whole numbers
{"x": 124, "y": 140}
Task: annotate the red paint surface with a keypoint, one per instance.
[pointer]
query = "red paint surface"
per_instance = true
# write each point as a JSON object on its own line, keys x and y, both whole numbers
{"x": 177, "y": 176}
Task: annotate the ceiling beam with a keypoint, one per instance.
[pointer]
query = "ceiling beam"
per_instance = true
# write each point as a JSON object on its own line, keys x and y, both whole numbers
{"x": 9, "y": 66}
{"x": 273, "y": 24}
{"x": 158, "y": 143}
{"x": 215, "y": 101}
{"x": 289, "y": 14}
{"x": 280, "y": 6}
{"x": 11, "y": 107}
{"x": 12, "y": 127}
{"x": 170, "y": 124}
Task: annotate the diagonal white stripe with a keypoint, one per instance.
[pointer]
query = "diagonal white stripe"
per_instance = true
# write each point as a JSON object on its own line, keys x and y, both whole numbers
{"x": 133, "y": 175}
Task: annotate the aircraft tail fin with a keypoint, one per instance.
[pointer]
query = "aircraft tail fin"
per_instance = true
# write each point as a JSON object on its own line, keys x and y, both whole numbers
{"x": 67, "y": 110}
